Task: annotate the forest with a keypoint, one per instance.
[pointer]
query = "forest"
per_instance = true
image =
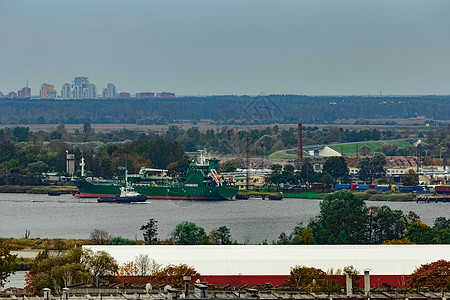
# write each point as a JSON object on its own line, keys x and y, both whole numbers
{"x": 264, "y": 109}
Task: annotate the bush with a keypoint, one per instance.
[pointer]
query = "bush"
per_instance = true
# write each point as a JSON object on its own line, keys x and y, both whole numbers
{"x": 391, "y": 197}
{"x": 173, "y": 274}
{"x": 435, "y": 274}
{"x": 311, "y": 279}
{"x": 118, "y": 240}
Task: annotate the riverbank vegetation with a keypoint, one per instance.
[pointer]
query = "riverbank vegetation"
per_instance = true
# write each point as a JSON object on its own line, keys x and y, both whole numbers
{"x": 25, "y": 155}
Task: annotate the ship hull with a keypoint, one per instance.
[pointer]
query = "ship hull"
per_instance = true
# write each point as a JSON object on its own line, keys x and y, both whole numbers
{"x": 93, "y": 189}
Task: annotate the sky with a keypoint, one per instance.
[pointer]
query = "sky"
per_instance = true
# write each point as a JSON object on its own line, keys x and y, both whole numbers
{"x": 217, "y": 47}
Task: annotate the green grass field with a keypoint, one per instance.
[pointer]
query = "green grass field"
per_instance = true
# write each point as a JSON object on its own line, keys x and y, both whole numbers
{"x": 276, "y": 155}
{"x": 350, "y": 149}
{"x": 400, "y": 144}
{"x": 280, "y": 156}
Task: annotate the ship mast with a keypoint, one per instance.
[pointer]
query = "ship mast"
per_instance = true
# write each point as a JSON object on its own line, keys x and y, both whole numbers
{"x": 82, "y": 164}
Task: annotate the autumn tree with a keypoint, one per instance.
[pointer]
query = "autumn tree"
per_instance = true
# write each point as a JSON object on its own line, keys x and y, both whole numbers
{"x": 127, "y": 269}
{"x": 7, "y": 262}
{"x": 410, "y": 178}
{"x": 435, "y": 274}
{"x": 173, "y": 274}
{"x": 302, "y": 276}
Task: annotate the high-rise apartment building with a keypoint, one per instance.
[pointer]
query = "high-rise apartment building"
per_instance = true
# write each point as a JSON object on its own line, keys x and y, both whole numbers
{"x": 79, "y": 89}
{"x": 45, "y": 88}
{"x": 81, "y": 80}
{"x": 110, "y": 91}
{"x": 66, "y": 91}
{"x": 24, "y": 93}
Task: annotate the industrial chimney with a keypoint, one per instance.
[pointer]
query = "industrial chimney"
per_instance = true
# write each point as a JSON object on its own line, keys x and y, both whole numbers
{"x": 299, "y": 143}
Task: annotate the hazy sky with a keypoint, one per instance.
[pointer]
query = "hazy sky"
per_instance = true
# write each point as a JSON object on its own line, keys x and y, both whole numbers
{"x": 205, "y": 47}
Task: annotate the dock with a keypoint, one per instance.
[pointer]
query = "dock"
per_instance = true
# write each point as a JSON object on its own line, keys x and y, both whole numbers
{"x": 433, "y": 198}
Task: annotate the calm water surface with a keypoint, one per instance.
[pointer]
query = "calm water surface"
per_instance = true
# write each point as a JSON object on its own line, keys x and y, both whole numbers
{"x": 252, "y": 220}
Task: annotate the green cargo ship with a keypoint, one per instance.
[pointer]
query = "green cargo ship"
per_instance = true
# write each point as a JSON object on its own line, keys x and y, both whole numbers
{"x": 202, "y": 182}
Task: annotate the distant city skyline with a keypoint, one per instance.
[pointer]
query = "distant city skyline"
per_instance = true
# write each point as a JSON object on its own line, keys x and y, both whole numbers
{"x": 81, "y": 88}
{"x": 201, "y": 47}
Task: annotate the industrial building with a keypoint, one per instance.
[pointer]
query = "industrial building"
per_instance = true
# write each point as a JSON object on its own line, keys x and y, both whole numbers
{"x": 260, "y": 264}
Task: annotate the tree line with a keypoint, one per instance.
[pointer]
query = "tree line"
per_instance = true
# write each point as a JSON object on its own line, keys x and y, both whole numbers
{"x": 287, "y": 109}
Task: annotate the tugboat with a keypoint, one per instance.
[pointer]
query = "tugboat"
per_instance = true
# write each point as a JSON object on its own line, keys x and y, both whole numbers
{"x": 127, "y": 195}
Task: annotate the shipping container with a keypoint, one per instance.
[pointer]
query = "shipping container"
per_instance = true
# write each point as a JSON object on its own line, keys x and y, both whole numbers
{"x": 442, "y": 189}
{"x": 406, "y": 189}
{"x": 342, "y": 186}
{"x": 362, "y": 187}
{"x": 383, "y": 187}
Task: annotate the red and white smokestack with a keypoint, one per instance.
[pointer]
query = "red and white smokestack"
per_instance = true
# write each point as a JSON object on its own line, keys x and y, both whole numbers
{"x": 299, "y": 143}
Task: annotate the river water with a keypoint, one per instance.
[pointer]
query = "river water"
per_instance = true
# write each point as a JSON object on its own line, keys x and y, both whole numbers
{"x": 250, "y": 221}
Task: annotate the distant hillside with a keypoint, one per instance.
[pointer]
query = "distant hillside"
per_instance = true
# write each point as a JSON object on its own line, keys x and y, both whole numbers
{"x": 224, "y": 109}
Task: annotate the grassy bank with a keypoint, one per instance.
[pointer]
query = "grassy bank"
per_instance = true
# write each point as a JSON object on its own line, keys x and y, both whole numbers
{"x": 44, "y": 244}
{"x": 258, "y": 194}
{"x": 305, "y": 195}
{"x": 370, "y": 195}
{"x": 41, "y": 189}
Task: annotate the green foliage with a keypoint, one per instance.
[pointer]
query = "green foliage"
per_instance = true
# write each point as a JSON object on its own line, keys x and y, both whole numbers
{"x": 223, "y": 236}
{"x": 59, "y": 271}
{"x": 275, "y": 176}
{"x": 187, "y": 233}
{"x": 307, "y": 173}
{"x": 302, "y": 276}
{"x": 300, "y": 236}
{"x": 327, "y": 179}
{"x": 99, "y": 263}
{"x": 420, "y": 233}
{"x": 150, "y": 231}
{"x": 386, "y": 224}
{"x": 337, "y": 168}
{"x": 372, "y": 167}
{"x": 342, "y": 219}
{"x": 311, "y": 280}
{"x": 118, "y": 240}
{"x": 7, "y": 262}
{"x": 229, "y": 167}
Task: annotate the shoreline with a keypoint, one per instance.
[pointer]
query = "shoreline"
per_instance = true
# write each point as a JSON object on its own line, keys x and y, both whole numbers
{"x": 38, "y": 189}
